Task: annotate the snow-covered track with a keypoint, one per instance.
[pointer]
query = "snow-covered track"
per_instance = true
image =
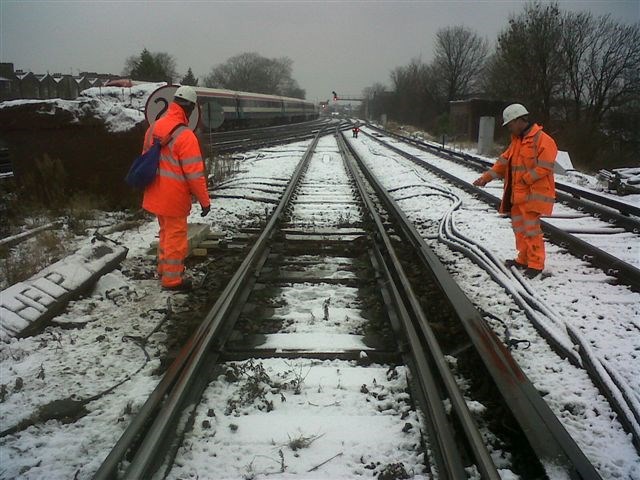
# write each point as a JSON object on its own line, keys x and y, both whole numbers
{"x": 591, "y": 251}
{"x": 568, "y": 340}
{"x": 546, "y": 435}
{"x": 178, "y": 382}
{"x": 296, "y": 257}
{"x": 248, "y": 326}
{"x": 602, "y": 206}
{"x": 253, "y": 138}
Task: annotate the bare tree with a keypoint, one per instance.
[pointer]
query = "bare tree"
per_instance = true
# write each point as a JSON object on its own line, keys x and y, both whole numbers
{"x": 601, "y": 60}
{"x": 375, "y": 100}
{"x": 576, "y": 36}
{"x": 601, "y": 95}
{"x": 374, "y": 90}
{"x": 413, "y": 91}
{"x": 528, "y": 64}
{"x": 460, "y": 54}
{"x": 612, "y": 75}
{"x": 254, "y": 73}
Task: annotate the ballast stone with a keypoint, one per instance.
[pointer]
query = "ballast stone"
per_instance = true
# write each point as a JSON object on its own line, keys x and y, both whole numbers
{"x": 25, "y": 305}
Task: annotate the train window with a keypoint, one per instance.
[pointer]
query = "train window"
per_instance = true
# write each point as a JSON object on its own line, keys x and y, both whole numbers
{"x": 293, "y": 106}
{"x": 256, "y": 103}
{"x": 229, "y": 101}
{"x": 205, "y": 113}
{"x": 223, "y": 101}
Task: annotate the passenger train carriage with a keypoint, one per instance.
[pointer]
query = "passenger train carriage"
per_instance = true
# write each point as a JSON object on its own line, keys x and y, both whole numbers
{"x": 244, "y": 109}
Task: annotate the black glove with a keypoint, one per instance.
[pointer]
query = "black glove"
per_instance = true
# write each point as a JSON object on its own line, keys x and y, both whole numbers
{"x": 205, "y": 211}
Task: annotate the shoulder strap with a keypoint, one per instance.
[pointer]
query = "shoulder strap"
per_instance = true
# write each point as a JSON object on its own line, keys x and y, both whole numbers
{"x": 169, "y": 137}
{"x": 176, "y": 128}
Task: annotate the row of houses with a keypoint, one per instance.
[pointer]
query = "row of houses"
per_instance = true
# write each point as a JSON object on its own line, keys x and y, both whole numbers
{"x": 17, "y": 84}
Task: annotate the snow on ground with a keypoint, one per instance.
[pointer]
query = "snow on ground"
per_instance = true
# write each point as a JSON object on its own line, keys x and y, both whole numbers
{"x": 120, "y": 108}
{"x": 617, "y": 245}
{"x": 97, "y": 346}
{"x": 97, "y": 349}
{"x": 306, "y": 413}
{"x": 304, "y": 418}
{"x": 78, "y": 364}
{"x": 573, "y": 177}
{"x": 606, "y": 315}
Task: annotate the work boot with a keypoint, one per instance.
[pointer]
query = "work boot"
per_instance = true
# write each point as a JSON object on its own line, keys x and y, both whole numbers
{"x": 185, "y": 286}
{"x": 532, "y": 273}
{"x": 515, "y": 263}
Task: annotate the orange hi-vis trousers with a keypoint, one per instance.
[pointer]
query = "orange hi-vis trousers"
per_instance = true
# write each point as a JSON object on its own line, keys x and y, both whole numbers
{"x": 529, "y": 239}
{"x": 172, "y": 249}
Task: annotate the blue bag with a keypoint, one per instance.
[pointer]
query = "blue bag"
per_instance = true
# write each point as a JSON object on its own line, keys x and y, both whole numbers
{"x": 145, "y": 167}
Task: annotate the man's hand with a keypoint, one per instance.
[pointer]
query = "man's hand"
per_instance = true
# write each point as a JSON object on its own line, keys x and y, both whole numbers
{"x": 480, "y": 182}
{"x": 205, "y": 211}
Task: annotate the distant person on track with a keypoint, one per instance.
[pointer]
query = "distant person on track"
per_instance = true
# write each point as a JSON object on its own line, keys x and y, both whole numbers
{"x": 180, "y": 174}
{"x": 529, "y": 187}
{"x": 355, "y": 131}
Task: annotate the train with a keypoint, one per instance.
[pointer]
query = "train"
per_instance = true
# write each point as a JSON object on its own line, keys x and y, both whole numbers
{"x": 246, "y": 109}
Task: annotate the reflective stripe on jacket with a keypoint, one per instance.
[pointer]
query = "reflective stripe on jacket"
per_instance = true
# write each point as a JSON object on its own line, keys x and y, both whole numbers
{"x": 527, "y": 168}
{"x": 181, "y": 171}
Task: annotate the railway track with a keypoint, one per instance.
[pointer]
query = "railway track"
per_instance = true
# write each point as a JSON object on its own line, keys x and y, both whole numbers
{"x": 229, "y": 142}
{"x": 324, "y": 301}
{"x": 577, "y": 196}
{"x": 446, "y": 225}
{"x": 246, "y": 139}
{"x": 597, "y": 228}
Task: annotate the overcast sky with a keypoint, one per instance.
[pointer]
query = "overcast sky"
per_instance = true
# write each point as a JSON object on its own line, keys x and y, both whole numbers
{"x": 341, "y": 46}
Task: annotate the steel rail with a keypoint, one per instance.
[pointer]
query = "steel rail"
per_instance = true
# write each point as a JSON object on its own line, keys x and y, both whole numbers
{"x": 163, "y": 407}
{"x": 256, "y": 138}
{"x": 617, "y": 268}
{"x": 546, "y": 435}
{"x": 230, "y": 134}
{"x": 413, "y": 318}
{"x": 573, "y": 196}
{"x": 240, "y": 136}
{"x": 627, "y": 411}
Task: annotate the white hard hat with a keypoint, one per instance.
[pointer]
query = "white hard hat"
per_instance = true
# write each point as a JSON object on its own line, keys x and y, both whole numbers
{"x": 187, "y": 93}
{"x": 513, "y": 111}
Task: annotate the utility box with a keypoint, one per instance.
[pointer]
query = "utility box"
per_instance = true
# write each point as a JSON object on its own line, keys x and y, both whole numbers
{"x": 485, "y": 135}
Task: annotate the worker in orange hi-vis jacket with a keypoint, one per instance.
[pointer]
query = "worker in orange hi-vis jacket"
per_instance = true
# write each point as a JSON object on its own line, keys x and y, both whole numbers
{"x": 527, "y": 168}
{"x": 181, "y": 173}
